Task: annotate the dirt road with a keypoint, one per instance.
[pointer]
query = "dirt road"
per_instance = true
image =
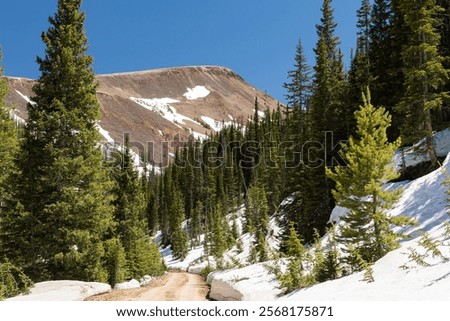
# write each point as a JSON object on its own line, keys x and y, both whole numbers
{"x": 171, "y": 287}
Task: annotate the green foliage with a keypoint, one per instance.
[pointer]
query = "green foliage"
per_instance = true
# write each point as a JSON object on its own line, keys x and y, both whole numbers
{"x": 62, "y": 190}
{"x": 256, "y": 210}
{"x": 206, "y": 270}
{"x": 326, "y": 113}
{"x": 115, "y": 261}
{"x": 12, "y": 281}
{"x": 142, "y": 255}
{"x": 425, "y": 73}
{"x": 416, "y": 257}
{"x": 8, "y": 141}
{"x": 218, "y": 236}
{"x": 180, "y": 244}
{"x": 294, "y": 246}
{"x": 431, "y": 246}
{"x": 359, "y": 186}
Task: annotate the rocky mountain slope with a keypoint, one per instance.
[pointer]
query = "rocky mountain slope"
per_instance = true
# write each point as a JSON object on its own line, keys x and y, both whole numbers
{"x": 155, "y": 105}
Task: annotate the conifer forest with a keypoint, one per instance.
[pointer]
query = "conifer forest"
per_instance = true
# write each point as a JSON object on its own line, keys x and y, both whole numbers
{"x": 68, "y": 211}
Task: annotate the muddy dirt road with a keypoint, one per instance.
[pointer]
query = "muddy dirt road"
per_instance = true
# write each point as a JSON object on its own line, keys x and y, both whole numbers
{"x": 171, "y": 287}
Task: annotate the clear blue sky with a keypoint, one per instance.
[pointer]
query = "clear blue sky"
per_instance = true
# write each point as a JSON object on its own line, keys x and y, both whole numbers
{"x": 255, "y": 38}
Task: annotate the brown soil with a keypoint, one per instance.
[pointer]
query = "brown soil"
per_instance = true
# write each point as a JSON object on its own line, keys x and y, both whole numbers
{"x": 170, "y": 287}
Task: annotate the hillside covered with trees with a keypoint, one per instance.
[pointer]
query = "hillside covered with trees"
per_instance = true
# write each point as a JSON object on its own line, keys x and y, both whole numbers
{"x": 69, "y": 212}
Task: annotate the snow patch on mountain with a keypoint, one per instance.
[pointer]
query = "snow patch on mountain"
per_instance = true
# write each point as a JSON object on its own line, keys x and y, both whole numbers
{"x": 215, "y": 125}
{"x": 162, "y": 106}
{"x": 26, "y": 98}
{"x": 105, "y": 134}
{"x": 196, "y": 93}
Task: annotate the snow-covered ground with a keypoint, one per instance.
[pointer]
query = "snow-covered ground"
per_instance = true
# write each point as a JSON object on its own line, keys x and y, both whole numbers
{"x": 416, "y": 154}
{"x": 63, "y": 291}
{"x": 196, "y": 259}
{"x": 396, "y": 276}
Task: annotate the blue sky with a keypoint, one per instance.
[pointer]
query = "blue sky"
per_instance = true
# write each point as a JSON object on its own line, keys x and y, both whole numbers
{"x": 255, "y": 38}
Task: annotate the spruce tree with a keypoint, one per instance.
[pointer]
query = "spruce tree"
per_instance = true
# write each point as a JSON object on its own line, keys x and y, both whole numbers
{"x": 63, "y": 212}
{"x": 299, "y": 87}
{"x": 326, "y": 114}
{"x": 12, "y": 279}
{"x": 379, "y": 49}
{"x": 359, "y": 75}
{"x": 387, "y": 38}
{"x": 359, "y": 186}
{"x": 178, "y": 236}
{"x": 130, "y": 216}
{"x": 8, "y": 143}
{"x": 256, "y": 211}
{"x": 425, "y": 74}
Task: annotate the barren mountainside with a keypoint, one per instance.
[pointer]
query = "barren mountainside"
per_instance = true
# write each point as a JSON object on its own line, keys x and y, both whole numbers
{"x": 155, "y": 105}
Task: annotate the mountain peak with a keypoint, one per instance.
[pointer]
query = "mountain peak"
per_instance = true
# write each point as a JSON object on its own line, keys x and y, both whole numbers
{"x": 153, "y": 106}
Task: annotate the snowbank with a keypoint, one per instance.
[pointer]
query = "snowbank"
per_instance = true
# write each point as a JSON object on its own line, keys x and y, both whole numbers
{"x": 251, "y": 283}
{"x": 132, "y": 284}
{"x": 416, "y": 154}
{"x": 63, "y": 291}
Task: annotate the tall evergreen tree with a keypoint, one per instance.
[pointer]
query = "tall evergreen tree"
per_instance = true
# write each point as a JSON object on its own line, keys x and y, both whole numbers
{"x": 359, "y": 75}
{"x": 63, "y": 191}
{"x": 298, "y": 96}
{"x": 141, "y": 253}
{"x": 12, "y": 279}
{"x": 425, "y": 74}
{"x": 8, "y": 142}
{"x": 359, "y": 186}
{"x": 387, "y": 38}
{"x": 299, "y": 87}
{"x": 379, "y": 49}
{"x": 326, "y": 114}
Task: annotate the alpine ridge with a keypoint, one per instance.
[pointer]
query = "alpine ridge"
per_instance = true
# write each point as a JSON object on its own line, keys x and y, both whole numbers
{"x": 154, "y": 106}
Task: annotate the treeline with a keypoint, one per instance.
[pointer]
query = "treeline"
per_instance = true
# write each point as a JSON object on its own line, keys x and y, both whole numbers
{"x": 401, "y": 54}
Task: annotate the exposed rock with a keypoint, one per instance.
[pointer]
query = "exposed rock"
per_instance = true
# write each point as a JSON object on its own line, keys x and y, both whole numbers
{"x": 209, "y": 91}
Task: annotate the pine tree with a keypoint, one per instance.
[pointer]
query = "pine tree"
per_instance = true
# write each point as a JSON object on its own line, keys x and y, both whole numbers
{"x": 326, "y": 114}
{"x": 130, "y": 216}
{"x": 387, "y": 38}
{"x": 218, "y": 236}
{"x": 64, "y": 207}
{"x": 256, "y": 211}
{"x": 359, "y": 75}
{"x": 294, "y": 277}
{"x": 115, "y": 261}
{"x": 379, "y": 49}
{"x": 8, "y": 142}
{"x": 425, "y": 74}
{"x": 298, "y": 97}
{"x": 178, "y": 236}
{"x": 359, "y": 186}
{"x": 13, "y": 281}
{"x": 299, "y": 87}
